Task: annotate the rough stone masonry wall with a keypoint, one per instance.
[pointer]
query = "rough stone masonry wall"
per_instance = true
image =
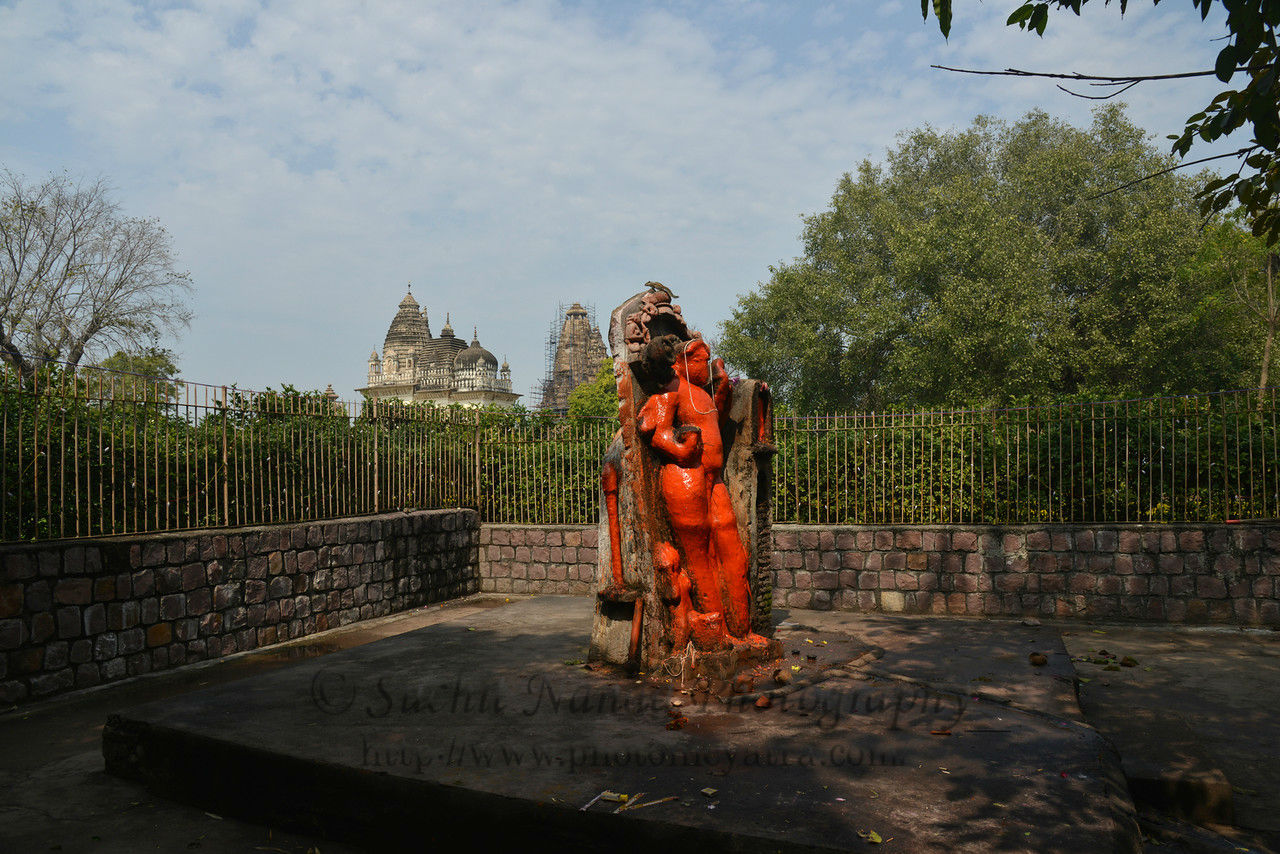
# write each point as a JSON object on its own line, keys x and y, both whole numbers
{"x": 538, "y": 559}
{"x": 1190, "y": 573}
{"x": 77, "y": 613}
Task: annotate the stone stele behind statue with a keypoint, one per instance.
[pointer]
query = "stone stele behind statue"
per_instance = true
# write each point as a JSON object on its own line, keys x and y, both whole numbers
{"x": 685, "y": 540}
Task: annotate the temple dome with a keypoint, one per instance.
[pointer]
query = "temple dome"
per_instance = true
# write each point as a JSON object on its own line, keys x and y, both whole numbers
{"x": 474, "y": 355}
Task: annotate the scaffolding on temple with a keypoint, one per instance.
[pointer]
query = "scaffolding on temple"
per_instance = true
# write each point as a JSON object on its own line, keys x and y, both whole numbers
{"x": 538, "y": 393}
{"x": 574, "y": 350}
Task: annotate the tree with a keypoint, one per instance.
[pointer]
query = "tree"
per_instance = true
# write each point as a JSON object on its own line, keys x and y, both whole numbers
{"x": 598, "y": 398}
{"x": 974, "y": 268}
{"x": 1245, "y": 261}
{"x": 76, "y": 275}
{"x": 1251, "y": 51}
{"x": 150, "y": 374}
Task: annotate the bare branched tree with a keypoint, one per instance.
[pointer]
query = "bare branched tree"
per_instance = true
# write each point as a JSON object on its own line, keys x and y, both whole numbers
{"x": 77, "y": 276}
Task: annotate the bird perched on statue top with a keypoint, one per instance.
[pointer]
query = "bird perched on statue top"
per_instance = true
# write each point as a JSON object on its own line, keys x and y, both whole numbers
{"x": 658, "y": 286}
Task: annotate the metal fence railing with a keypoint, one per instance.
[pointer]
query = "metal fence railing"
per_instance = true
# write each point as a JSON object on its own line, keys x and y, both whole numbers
{"x": 1191, "y": 458}
{"x": 88, "y": 452}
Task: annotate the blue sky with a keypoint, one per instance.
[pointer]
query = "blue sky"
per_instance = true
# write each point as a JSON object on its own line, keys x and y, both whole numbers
{"x": 312, "y": 157}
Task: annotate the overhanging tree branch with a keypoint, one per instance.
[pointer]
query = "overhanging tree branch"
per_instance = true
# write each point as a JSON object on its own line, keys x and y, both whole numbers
{"x": 1116, "y": 79}
{"x": 1125, "y": 88}
{"x": 1252, "y": 48}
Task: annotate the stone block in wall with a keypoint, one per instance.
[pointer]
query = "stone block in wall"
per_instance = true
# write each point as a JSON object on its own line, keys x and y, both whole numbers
{"x": 73, "y": 591}
{"x": 13, "y": 634}
{"x": 23, "y": 662}
{"x": 799, "y": 599}
{"x": 907, "y": 540}
{"x": 935, "y": 541}
{"x": 1129, "y": 542}
{"x": 81, "y": 651}
{"x": 1210, "y": 587}
{"x": 95, "y": 619}
{"x": 13, "y": 597}
{"x": 43, "y": 627}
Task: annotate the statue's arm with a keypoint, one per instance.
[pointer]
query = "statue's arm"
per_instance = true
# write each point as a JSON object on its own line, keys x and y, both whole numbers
{"x": 658, "y": 421}
{"x": 721, "y": 385}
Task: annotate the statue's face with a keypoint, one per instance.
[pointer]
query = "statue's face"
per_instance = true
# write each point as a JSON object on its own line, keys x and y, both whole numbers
{"x": 695, "y": 360}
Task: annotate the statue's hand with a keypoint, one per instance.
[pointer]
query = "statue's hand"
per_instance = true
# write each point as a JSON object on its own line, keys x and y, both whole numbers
{"x": 688, "y": 446}
{"x": 720, "y": 385}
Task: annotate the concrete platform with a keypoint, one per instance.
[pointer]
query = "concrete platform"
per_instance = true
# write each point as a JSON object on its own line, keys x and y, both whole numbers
{"x": 487, "y": 729}
{"x": 1195, "y": 717}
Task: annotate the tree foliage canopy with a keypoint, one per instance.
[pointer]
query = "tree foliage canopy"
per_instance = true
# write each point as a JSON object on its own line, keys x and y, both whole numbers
{"x": 148, "y": 373}
{"x": 972, "y": 268}
{"x": 1251, "y": 52}
{"x": 1250, "y": 268}
{"x": 598, "y": 398}
{"x": 76, "y": 275}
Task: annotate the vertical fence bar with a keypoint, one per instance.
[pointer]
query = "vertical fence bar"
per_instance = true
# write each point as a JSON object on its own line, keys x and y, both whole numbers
{"x": 1272, "y": 506}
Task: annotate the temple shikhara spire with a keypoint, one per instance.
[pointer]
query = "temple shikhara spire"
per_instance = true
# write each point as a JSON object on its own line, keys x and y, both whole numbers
{"x": 574, "y": 353}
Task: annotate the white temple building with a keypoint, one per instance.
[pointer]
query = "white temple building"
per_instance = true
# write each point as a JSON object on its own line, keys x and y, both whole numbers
{"x": 416, "y": 367}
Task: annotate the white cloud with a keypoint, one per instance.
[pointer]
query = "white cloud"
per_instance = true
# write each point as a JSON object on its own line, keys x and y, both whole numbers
{"x": 310, "y": 157}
